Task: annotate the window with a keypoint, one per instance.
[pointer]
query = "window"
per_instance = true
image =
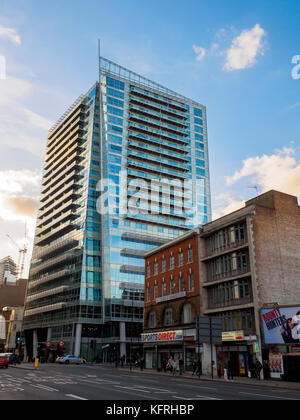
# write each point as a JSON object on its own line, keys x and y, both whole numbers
{"x": 180, "y": 259}
{"x": 148, "y": 294}
{"x": 172, "y": 286}
{"x": 168, "y": 317}
{"x": 172, "y": 262}
{"x": 163, "y": 265}
{"x": 148, "y": 270}
{"x": 187, "y": 314}
{"x": 156, "y": 268}
{"x": 191, "y": 282}
{"x": 164, "y": 289}
{"x": 152, "y": 320}
{"x": 181, "y": 283}
{"x": 156, "y": 291}
{"x": 190, "y": 255}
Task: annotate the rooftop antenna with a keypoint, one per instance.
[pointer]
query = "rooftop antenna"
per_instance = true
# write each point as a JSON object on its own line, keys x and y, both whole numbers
{"x": 255, "y": 187}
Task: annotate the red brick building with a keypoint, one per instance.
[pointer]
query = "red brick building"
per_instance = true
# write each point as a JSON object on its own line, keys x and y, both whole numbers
{"x": 172, "y": 301}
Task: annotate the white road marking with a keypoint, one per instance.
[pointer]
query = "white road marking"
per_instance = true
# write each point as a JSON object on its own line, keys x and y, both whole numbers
{"x": 268, "y": 396}
{"x": 197, "y": 387}
{"x": 132, "y": 388}
{"x": 76, "y": 397}
{"x": 45, "y": 388}
{"x": 154, "y": 389}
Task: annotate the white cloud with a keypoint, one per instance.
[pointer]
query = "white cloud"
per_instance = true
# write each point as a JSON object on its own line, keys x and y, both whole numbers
{"x": 19, "y": 198}
{"x": 10, "y": 34}
{"x": 279, "y": 171}
{"x": 225, "y": 204}
{"x": 245, "y": 48}
{"x": 200, "y": 52}
{"x": 20, "y": 126}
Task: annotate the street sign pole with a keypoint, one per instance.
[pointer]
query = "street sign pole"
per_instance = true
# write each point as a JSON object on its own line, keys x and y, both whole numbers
{"x": 211, "y": 349}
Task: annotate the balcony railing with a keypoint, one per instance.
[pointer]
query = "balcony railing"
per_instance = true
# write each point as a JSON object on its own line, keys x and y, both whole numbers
{"x": 228, "y": 303}
{"x": 226, "y": 247}
{"x": 229, "y": 274}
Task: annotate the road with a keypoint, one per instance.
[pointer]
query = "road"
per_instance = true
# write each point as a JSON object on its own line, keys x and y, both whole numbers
{"x": 55, "y": 382}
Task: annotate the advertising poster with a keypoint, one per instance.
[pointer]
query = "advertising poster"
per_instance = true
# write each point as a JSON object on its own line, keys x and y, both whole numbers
{"x": 281, "y": 325}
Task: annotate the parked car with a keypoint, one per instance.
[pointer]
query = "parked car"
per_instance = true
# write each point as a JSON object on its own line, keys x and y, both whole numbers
{"x": 70, "y": 359}
{"x": 4, "y": 360}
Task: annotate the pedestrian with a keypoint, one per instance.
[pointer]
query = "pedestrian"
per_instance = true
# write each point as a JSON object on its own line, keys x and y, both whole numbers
{"x": 194, "y": 366}
{"x": 181, "y": 366}
{"x": 199, "y": 368}
{"x": 170, "y": 364}
{"x": 174, "y": 367}
{"x": 230, "y": 371}
{"x": 142, "y": 364}
{"x": 258, "y": 368}
{"x": 122, "y": 360}
{"x": 164, "y": 365}
{"x": 266, "y": 368}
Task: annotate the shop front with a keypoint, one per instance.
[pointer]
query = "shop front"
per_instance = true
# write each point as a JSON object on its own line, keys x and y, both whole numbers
{"x": 238, "y": 349}
{"x": 160, "y": 346}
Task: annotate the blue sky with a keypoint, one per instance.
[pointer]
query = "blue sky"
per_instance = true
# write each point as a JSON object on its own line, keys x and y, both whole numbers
{"x": 242, "y": 74}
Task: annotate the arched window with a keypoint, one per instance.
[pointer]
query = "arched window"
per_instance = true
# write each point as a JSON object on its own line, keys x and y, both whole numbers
{"x": 187, "y": 314}
{"x": 168, "y": 317}
{"x": 152, "y": 319}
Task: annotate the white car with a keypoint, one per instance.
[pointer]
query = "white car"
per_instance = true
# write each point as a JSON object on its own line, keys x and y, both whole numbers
{"x": 70, "y": 359}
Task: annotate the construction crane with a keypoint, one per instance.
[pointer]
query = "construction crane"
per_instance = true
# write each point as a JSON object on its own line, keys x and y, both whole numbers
{"x": 22, "y": 255}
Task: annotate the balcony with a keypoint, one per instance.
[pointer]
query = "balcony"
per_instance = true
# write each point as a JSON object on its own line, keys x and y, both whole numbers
{"x": 62, "y": 259}
{"x": 48, "y": 279}
{"x": 158, "y": 115}
{"x": 157, "y": 141}
{"x": 229, "y": 275}
{"x": 234, "y": 246}
{"x": 162, "y": 160}
{"x": 158, "y": 150}
{"x": 157, "y": 124}
{"x": 47, "y": 293}
{"x": 43, "y": 309}
{"x": 165, "y": 101}
{"x": 160, "y": 133}
{"x": 49, "y": 182}
{"x": 230, "y": 303}
{"x": 55, "y": 233}
{"x": 156, "y": 169}
{"x": 49, "y": 251}
{"x": 71, "y": 139}
{"x": 132, "y": 269}
{"x": 73, "y": 175}
{"x": 144, "y": 238}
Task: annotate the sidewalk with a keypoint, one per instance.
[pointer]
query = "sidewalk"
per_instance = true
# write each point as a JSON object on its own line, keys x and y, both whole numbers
{"x": 245, "y": 381}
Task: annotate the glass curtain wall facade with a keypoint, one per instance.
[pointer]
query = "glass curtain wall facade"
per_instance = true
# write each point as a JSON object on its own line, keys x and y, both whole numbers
{"x": 108, "y": 197}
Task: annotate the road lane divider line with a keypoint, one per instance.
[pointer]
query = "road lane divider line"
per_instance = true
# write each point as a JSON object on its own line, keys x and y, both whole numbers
{"x": 45, "y": 388}
{"x": 76, "y": 397}
{"x": 268, "y": 396}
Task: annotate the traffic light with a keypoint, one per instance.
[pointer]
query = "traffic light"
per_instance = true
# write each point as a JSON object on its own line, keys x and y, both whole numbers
{"x": 18, "y": 339}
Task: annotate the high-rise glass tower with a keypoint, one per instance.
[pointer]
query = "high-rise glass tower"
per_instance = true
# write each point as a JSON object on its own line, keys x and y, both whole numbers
{"x": 108, "y": 196}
